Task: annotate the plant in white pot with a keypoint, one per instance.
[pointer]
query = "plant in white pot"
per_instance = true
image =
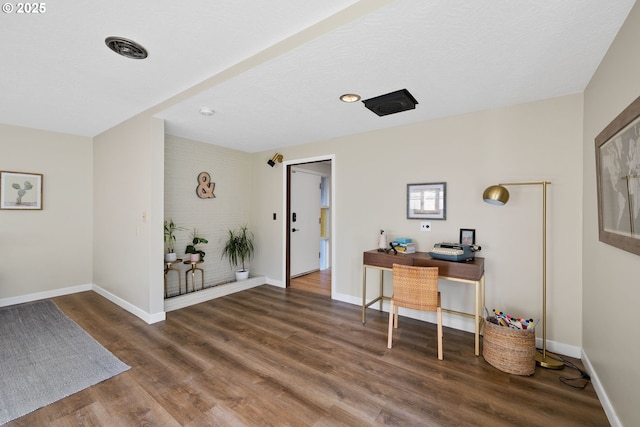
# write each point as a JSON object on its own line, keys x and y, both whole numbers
{"x": 170, "y": 229}
{"x": 239, "y": 248}
{"x": 196, "y": 254}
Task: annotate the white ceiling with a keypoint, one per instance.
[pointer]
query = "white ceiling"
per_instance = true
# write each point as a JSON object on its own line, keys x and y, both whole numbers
{"x": 273, "y": 70}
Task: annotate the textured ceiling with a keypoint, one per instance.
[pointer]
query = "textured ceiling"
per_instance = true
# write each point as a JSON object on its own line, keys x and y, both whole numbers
{"x": 273, "y": 71}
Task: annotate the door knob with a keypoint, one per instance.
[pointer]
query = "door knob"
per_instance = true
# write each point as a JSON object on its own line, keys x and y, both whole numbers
{"x": 294, "y": 230}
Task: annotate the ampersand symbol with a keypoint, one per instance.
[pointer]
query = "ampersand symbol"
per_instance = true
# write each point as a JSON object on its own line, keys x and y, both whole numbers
{"x": 205, "y": 186}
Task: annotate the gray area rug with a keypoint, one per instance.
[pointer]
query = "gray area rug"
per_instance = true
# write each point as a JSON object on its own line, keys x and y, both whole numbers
{"x": 44, "y": 357}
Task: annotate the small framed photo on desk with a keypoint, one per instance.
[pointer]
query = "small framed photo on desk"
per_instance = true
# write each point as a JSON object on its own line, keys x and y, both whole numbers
{"x": 467, "y": 236}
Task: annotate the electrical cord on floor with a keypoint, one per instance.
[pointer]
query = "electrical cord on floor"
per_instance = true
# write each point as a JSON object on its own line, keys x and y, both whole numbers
{"x": 580, "y": 382}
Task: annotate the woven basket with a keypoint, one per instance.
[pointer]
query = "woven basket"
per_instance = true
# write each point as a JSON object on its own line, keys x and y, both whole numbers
{"x": 510, "y": 350}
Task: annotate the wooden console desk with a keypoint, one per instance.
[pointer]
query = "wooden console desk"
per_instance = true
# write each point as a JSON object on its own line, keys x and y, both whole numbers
{"x": 471, "y": 272}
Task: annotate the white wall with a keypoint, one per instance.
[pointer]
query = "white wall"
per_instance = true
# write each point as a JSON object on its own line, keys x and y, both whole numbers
{"x": 535, "y": 141}
{"x": 611, "y": 276}
{"x": 231, "y": 172}
{"x": 128, "y": 165}
{"x": 46, "y": 251}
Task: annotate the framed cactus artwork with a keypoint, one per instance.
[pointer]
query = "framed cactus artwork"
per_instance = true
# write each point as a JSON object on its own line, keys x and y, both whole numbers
{"x": 20, "y": 190}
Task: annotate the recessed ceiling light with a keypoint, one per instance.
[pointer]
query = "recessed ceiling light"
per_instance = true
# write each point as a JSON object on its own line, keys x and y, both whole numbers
{"x": 206, "y": 111}
{"x": 350, "y": 97}
{"x": 126, "y": 47}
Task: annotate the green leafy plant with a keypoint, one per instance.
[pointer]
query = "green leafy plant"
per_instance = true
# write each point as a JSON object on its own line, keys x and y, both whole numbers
{"x": 239, "y": 246}
{"x": 170, "y": 229}
{"x": 22, "y": 191}
{"x": 192, "y": 249}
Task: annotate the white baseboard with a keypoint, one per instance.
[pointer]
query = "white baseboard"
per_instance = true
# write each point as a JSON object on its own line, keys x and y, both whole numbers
{"x": 278, "y": 283}
{"x": 136, "y": 311}
{"x": 602, "y": 394}
{"x": 193, "y": 298}
{"x": 560, "y": 348}
{"x": 44, "y": 295}
{"x": 457, "y": 322}
{"x": 451, "y": 321}
{"x": 149, "y": 318}
{"x": 172, "y": 304}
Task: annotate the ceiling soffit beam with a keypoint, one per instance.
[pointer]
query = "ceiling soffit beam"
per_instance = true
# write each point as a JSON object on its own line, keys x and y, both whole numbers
{"x": 343, "y": 17}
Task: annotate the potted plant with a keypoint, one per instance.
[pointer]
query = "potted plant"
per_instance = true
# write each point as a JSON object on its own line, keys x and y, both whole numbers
{"x": 170, "y": 229}
{"x": 195, "y": 253}
{"x": 238, "y": 249}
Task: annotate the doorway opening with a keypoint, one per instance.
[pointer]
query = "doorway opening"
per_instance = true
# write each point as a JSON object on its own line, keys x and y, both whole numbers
{"x": 309, "y": 226}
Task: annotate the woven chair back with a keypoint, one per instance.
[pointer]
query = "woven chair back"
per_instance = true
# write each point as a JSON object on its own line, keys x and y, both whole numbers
{"x": 415, "y": 287}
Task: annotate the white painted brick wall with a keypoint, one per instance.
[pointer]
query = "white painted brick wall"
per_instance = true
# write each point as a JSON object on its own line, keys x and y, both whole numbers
{"x": 230, "y": 170}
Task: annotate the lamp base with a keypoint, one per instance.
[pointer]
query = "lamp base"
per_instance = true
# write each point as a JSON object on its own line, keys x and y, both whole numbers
{"x": 549, "y": 360}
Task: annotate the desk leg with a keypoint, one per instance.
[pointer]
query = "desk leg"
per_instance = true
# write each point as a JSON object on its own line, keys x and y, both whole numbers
{"x": 477, "y": 319}
{"x": 482, "y": 296}
{"x": 364, "y": 294}
{"x": 381, "y": 287}
{"x": 483, "y": 303}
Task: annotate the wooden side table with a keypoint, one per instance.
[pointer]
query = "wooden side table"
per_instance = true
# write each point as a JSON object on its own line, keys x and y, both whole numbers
{"x": 168, "y": 266}
{"x": 193, "y": 270}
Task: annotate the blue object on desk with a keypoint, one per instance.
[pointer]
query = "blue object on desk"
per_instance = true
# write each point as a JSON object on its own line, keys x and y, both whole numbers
{"x": 403, "y": 240}
{"x": 452, "y": 252}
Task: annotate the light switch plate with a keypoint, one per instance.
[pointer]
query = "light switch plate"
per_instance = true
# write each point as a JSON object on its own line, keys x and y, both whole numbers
{"x": 425, "y": 226}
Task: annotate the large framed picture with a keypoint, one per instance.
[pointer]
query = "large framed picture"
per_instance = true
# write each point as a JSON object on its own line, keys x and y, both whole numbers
{"x": 427, "y": 201}
{"x": 618, "y": 180}
{"x": 20, "y": 190}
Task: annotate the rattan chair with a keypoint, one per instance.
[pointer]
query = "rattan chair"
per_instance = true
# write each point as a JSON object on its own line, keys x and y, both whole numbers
{"x": 415, "y": 288}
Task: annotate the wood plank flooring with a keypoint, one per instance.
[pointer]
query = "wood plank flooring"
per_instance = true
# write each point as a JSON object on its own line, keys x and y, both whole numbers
{"x": 318, "y": 282}
{"x": 286, "y": 357}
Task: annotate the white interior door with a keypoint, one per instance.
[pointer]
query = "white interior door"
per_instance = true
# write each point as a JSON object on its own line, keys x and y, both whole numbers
{"x": 305, "y": 222}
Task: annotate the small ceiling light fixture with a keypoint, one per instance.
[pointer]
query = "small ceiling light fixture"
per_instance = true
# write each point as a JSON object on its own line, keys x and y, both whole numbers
{"x": 206, "y": 111}
{"x": 126, "y": 47}
{"x": 350, "y": 97}
{"x": 276, "y": 158}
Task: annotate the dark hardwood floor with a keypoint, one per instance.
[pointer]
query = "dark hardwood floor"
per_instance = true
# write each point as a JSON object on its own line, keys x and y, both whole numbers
{"x": 285, "y": 357}
{"x": 318, "y": 282}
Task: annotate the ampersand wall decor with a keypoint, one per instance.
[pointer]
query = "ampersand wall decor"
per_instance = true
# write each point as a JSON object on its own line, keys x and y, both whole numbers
{"x": 205, "y": 186}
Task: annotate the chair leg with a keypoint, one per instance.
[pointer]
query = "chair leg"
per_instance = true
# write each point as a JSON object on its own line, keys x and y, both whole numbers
{"x": 395, "y": 317}
{"x": 390, "y": 334}
{"x": 439, "y": 333}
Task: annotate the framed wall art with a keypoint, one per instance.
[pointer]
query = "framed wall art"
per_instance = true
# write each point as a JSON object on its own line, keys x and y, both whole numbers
{"x": 427, "y": 201}
{"x": 467, "y": 236}
{"x": 20, "y": 190}
{"x": 618, "y": 180}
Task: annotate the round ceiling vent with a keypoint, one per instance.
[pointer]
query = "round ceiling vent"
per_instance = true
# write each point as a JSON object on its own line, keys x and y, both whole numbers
{"x": 126, "y": 47}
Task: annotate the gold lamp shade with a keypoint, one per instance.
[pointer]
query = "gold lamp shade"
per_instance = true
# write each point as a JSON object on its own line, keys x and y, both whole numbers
{"x": 496, "y": 195}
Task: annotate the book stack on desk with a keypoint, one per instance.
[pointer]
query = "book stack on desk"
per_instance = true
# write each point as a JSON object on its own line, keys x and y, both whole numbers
{"x": 404, "y": 245}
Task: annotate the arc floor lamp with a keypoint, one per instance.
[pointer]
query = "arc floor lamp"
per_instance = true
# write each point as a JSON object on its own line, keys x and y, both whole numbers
{"x": 499, "y": 195}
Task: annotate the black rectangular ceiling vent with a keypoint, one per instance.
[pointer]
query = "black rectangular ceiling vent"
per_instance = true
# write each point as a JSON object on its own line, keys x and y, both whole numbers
{"x": 394, "y": 102}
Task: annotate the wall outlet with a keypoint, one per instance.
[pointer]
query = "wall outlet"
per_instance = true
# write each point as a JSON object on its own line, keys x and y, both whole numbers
{"x": 425, "y": 226}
